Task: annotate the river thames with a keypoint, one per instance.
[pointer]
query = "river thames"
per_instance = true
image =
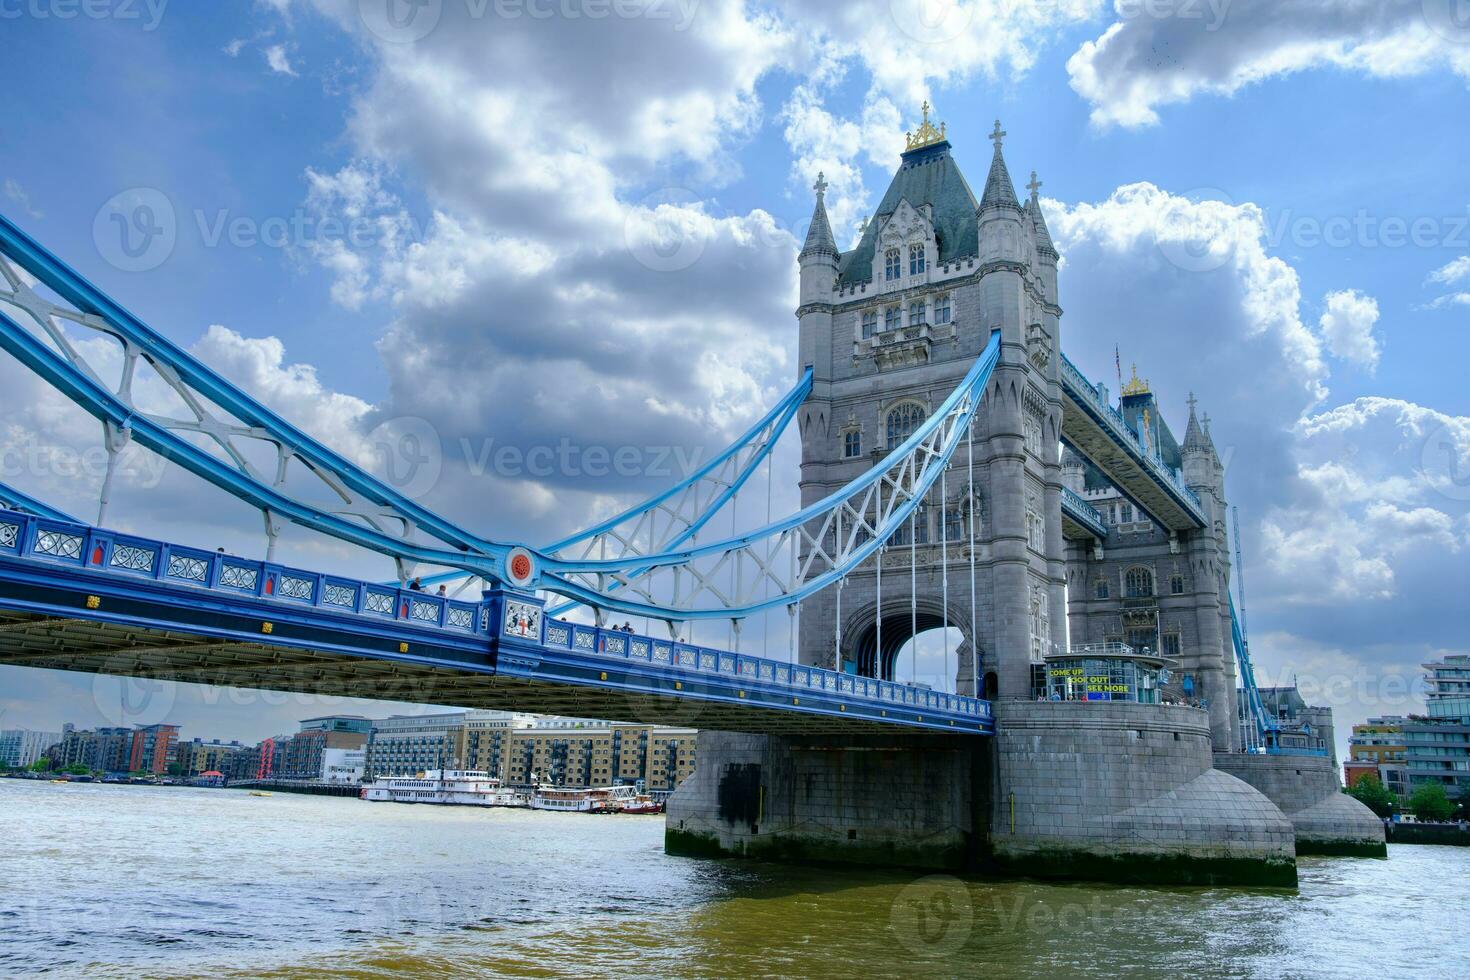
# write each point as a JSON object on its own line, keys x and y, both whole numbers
{"x": 137, "y": 881}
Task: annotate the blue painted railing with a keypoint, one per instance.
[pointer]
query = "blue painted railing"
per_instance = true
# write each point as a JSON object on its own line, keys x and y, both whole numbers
{"x": 96, "y": 550}
{"x": 1083, "y": 513}
{"x": 1119, "y": 427}
{"x": 110, "y": 552}
{"x": 563, "y": 635}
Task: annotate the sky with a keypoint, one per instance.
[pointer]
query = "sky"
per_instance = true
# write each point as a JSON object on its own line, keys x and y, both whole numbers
{"x": 568, "y": 225}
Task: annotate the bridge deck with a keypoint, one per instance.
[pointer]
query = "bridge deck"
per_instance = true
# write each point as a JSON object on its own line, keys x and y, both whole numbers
{"x": 1095, "y": 430}
{"x": 79, "y": 598}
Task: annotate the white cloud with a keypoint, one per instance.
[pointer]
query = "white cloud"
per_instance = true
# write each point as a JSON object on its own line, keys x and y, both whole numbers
{"x": 1159, "y": 54}
{"x": 277, "y": 59}
{"x": 18, "y": 194}
{"x": 1449, "y": 299}
{"x": 1452, "y": 272}
{"x": 1347, "y": 326}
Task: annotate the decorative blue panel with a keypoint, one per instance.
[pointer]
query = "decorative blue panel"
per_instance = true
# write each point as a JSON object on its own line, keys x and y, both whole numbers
{"x": 132, "y": 559}
{"x": 182, "y": 566}
{"x": 238, "y": 577}
{"x": 59, "y": 544}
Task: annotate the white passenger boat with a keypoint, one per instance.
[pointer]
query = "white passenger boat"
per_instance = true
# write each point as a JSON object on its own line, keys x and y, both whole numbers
{"x": 593, "y": 799}
{"x": 447, "y": 787}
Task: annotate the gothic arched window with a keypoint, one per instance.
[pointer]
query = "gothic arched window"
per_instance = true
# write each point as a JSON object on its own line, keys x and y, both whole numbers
{"x": 916, "y": 259}
{"x": 1138, "y": 583}
{"x": 916, "y": 313}
{"x": 870, "y": 323}
{"x": 1176, "y": 585}
{"x": 892, "y": 268}
{"x": 902, "y": 421}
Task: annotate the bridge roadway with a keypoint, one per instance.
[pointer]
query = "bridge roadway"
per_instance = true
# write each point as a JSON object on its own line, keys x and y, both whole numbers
{"x": 1097, "y": 431}
{"x": 75, "y": 597}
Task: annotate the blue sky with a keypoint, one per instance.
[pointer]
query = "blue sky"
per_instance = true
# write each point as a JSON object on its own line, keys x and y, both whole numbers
{"x": 507, "y": 170}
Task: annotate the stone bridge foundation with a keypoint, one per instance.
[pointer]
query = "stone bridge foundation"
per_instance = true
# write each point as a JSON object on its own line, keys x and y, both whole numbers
{"x": 1305, "y": 788}
{"x": 1122, "y": 792}
{"x": 910, "y": 801}
{"x": 1128, "y": 792}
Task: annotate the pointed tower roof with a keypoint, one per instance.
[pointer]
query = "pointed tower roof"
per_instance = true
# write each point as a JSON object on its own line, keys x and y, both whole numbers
{"x": 1038, "y": 223}
{"x": 1196, "y": 440}
{"x": 819, "y": 236}
{"x": 928, "y": 176}
{"x": 999, "y": 191}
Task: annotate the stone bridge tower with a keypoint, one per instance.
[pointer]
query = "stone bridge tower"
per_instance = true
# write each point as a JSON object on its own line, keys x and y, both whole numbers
{"x": 1152, "y": 589}
{"x": 890, "y": 328}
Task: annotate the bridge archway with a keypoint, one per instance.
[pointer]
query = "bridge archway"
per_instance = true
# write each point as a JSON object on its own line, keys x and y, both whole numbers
{"x": 904, "y": 627}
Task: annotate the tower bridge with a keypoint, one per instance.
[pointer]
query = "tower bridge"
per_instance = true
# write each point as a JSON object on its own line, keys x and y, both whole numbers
{"x": 958, "y": 473}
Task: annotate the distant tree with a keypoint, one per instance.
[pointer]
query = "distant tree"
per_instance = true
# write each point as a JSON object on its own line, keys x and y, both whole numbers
{"x": 1371, "y": 792}
{"x": 41, "y": 765}
{"x": 77, "y": 769}
{"x": 1430, "y": 803}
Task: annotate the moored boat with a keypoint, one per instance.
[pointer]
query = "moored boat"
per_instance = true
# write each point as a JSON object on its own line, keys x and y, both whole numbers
{"x": 592, "y": 799}
{"x": 446, "y": 787}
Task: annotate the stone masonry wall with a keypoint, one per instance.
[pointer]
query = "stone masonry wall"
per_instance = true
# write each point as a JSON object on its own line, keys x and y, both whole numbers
{"x": 1128, "y": 791}
{"x": 913, "y": 801}
{"x": 1306, "y": 789}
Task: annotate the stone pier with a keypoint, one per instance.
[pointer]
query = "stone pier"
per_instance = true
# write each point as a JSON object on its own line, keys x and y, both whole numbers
{"x": 1120, "y": 792}
{"x": 1305, "y": 788}
{"x": 909, "y": 801}
{"x": 1128, "y": 792}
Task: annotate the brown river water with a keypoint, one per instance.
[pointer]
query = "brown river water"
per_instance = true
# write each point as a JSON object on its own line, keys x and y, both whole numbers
{"x": 137, "y": 881}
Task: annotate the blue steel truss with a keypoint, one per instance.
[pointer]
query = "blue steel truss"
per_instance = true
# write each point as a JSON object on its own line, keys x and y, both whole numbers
{"x": 774, "y": 566}
{"x": 15, "y": 500}
{"x": 365, "y": 511}
{"x": 785, "y": 561}
{"x": 1263, "y": 726}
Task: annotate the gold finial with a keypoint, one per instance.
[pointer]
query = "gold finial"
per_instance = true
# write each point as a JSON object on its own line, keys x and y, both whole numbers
{"x": 926, "y": 134}
{"x": 1135, "y": 386}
